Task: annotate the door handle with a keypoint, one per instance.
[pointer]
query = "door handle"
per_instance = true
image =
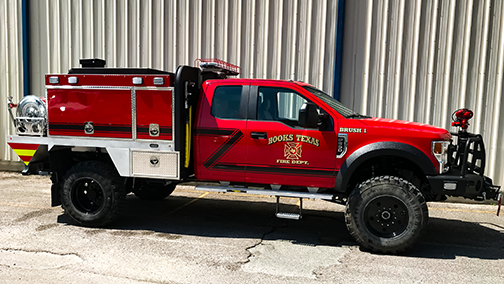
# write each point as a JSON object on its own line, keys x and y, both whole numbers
{"x": 258, "y": 135}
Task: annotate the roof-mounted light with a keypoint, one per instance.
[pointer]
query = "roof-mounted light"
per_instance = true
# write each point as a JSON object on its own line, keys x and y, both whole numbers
{"x": 214, "y": 64}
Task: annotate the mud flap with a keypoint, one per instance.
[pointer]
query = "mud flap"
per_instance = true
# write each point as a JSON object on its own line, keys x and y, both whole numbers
{"x": 55, "y": 191}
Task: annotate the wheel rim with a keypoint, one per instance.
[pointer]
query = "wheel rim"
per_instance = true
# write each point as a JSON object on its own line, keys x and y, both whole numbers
{"x": 87, "y": 195}
{"x": 386, "y": 216}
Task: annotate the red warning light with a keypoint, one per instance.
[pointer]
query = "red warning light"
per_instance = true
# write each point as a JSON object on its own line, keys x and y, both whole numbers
{"x": 462, "y": 117}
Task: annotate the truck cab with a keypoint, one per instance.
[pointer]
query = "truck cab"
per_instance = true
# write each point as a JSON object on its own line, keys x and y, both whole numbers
{"x": 289, "y": 134}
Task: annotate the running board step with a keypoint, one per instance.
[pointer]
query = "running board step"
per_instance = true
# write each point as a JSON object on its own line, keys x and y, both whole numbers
{"x": 276, "y": 193}
{"x": 291, "y": 216}
{"x": 281, "y": 193}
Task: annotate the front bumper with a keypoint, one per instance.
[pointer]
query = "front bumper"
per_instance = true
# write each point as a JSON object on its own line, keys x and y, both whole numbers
{"x": 465, "y": 177}
{"x": 471, "y": 186}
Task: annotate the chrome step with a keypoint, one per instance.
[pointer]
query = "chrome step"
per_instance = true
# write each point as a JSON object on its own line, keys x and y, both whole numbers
{"x": 291, "y": 216}
{"x": 286, "y": 215}
{"x": 282, "y": 193}
{"x": 276, "y": 193}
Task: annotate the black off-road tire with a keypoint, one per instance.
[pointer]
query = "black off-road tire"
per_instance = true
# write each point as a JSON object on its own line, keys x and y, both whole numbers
{"x": 93, "y": 193}
{"x": 153, "y": 191}
{"x": 386, "y": 214}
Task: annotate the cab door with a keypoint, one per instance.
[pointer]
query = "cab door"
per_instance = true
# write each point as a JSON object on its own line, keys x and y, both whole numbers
{"x": 279, "y": 151}
{"x": 219, "y": 133}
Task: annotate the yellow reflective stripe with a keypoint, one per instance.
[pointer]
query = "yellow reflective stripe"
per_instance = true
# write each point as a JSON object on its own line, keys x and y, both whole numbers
{"x": 188, "y": 139}
{"x": 26, "y": 163}
{"x": 22, "y": 152}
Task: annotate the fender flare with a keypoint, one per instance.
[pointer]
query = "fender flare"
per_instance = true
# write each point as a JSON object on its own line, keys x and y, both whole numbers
{"x": 370, "y": 151}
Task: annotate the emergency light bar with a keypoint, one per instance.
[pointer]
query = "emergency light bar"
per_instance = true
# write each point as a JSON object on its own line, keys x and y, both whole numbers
{"x": 215, "y": 64}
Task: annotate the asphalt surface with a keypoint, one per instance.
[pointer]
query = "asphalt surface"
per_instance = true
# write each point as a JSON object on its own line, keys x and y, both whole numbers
{"x": 200, "y": 237}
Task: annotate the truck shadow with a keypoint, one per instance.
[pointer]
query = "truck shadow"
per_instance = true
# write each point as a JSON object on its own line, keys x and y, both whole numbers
{"x": 178, "y": 216}
{"x": 448, "y": 239}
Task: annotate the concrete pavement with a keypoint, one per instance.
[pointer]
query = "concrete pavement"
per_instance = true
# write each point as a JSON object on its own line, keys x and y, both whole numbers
{"x": 198, "y": 237}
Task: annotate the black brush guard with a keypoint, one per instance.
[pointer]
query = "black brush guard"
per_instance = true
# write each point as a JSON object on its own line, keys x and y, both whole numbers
{"x": 465, "y": 177}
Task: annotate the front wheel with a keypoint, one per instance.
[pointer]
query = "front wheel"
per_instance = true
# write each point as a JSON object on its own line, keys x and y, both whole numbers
{"x": 92, "y": 193}
{"x": 386, "y": 214}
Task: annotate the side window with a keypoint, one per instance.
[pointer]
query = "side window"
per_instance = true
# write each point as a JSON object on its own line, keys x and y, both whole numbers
{"x": 266, "y": 106}
{"x": 226, "y": 102}
{"x": 280, "y": 104}
{"x": 288, "y": 105}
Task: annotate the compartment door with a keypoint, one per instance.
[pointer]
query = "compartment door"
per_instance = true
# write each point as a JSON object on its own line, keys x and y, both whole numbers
{"x": 154, "y": 109}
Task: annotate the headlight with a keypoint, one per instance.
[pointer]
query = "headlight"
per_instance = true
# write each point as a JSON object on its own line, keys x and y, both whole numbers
{"x": 440, "y": 151}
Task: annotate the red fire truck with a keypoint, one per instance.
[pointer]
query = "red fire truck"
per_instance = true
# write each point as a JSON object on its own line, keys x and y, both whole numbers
{"x": 101, "y": 133}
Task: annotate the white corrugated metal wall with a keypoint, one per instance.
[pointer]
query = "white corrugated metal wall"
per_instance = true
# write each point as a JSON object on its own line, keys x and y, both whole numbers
{"x": 11, "y": 68}
{"x": 421, "y": 60}
{"x": 268, "y": 39}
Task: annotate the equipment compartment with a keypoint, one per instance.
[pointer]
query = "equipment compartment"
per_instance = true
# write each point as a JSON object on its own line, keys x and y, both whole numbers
{"x": 155, "y": 164}
{"x": 90, "y": 112}
{"x": 154, "y": 114}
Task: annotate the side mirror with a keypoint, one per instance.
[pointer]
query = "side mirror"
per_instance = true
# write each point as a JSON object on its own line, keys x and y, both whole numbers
{"x": 308, "y": 115}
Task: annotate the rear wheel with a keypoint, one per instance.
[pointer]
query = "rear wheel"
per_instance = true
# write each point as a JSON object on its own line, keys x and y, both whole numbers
{"x": 386, "y": 214}
{"x": 153, "y": 190}
{"x": 92, "y": 193}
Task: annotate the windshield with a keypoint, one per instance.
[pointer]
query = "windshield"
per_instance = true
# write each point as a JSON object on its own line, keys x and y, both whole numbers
{"x": 334, "y": 104}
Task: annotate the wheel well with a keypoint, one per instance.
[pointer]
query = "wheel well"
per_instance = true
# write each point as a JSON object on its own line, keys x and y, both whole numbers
{"x": 390, "y": 165}
{"x": 61, "y": 159}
